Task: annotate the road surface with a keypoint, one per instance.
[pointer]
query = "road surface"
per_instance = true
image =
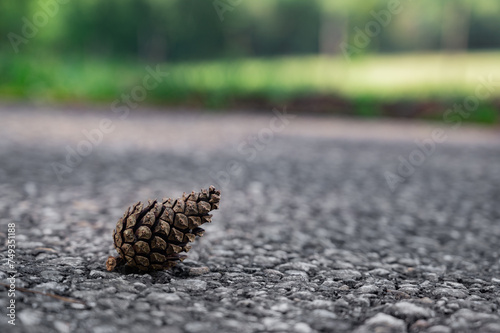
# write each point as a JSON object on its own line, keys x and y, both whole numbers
{"x": 325, "y": 224}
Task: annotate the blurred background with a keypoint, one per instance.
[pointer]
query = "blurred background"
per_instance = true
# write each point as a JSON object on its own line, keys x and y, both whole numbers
{"x": 367, "y": 58}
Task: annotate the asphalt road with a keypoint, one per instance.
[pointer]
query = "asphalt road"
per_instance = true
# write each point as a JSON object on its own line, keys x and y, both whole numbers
{"x": 321, "y": 227}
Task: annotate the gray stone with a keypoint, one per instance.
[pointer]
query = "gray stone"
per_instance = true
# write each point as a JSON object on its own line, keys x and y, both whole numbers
{"x": 275, "y": 325}
{"x": 162, "y": 298}
{"x": 52, "y": 275}
{"x": 302, "y": 328}
{"x": 55, "y": 306}
{"x": 266, "y": 261}
{"x": 140, "y": 286}
{"x": 379, "y": 272}
{"x": 77, "y": 306}
{"x": 439, "y": 329}
{"x": 470, "y": 315}
{"x": 322, "y": 314}
{"x": 68, "y": 261}
{"x": 127, "y": 296}
{"x": 62, "y": 327}
{"x": 303, "y": 295}
{"x": 299, "y": 274}
{"x": 195, "y": 327}
{"x": 409, "y": 289}
{"x": 190, "y": 285}
{"x": 281, "y": 307}
{"x": 298, "y": 266}
{"x": 94, "y": 274}
{"x": 495, "y": 280}
{"x": 410, "y": 311}
{"x": 51, "y": 287}
{"x": 273, "y": 274}
{"x": 323, "y": 304}
{"x": 346, "y": 274}
{"x": 368, "y": 289}
{"x": 382, "y": 323}
{"x": 448, "y": 292}
{"x": 143, "y": 306}
{"x": 491, "y": 328}
{"x": 196, "y": 271}
{"x": 105, "y": 329}
{"x": 30, "y": 317}
{"x": 113, "y": 303}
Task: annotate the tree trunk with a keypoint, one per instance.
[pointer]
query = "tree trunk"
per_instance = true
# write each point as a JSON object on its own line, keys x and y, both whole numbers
{"x": 456, "y": 24}
{"x": 333, "y": 31}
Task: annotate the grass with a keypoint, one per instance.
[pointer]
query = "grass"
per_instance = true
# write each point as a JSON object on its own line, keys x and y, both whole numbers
{"x": 366, "y": 81}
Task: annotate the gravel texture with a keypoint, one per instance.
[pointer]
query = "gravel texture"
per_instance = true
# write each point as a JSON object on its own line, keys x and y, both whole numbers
{"x": 308, "y": 238}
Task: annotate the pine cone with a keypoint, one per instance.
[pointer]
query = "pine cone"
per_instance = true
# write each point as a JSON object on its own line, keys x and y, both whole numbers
{"x": 151, "y": 237}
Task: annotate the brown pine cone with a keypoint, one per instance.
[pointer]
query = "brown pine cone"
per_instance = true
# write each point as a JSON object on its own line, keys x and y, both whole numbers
{"x": 151, "y": 237}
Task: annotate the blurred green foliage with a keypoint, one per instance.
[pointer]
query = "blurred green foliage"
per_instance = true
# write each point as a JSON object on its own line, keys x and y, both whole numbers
{"x": 221, "y": 51}
{"x": 376, "y": 77}
{"x": 179, "y": 30}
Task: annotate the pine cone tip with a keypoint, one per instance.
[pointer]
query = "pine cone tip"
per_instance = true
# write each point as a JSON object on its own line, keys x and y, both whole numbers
{"x": 110, "y": 264}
